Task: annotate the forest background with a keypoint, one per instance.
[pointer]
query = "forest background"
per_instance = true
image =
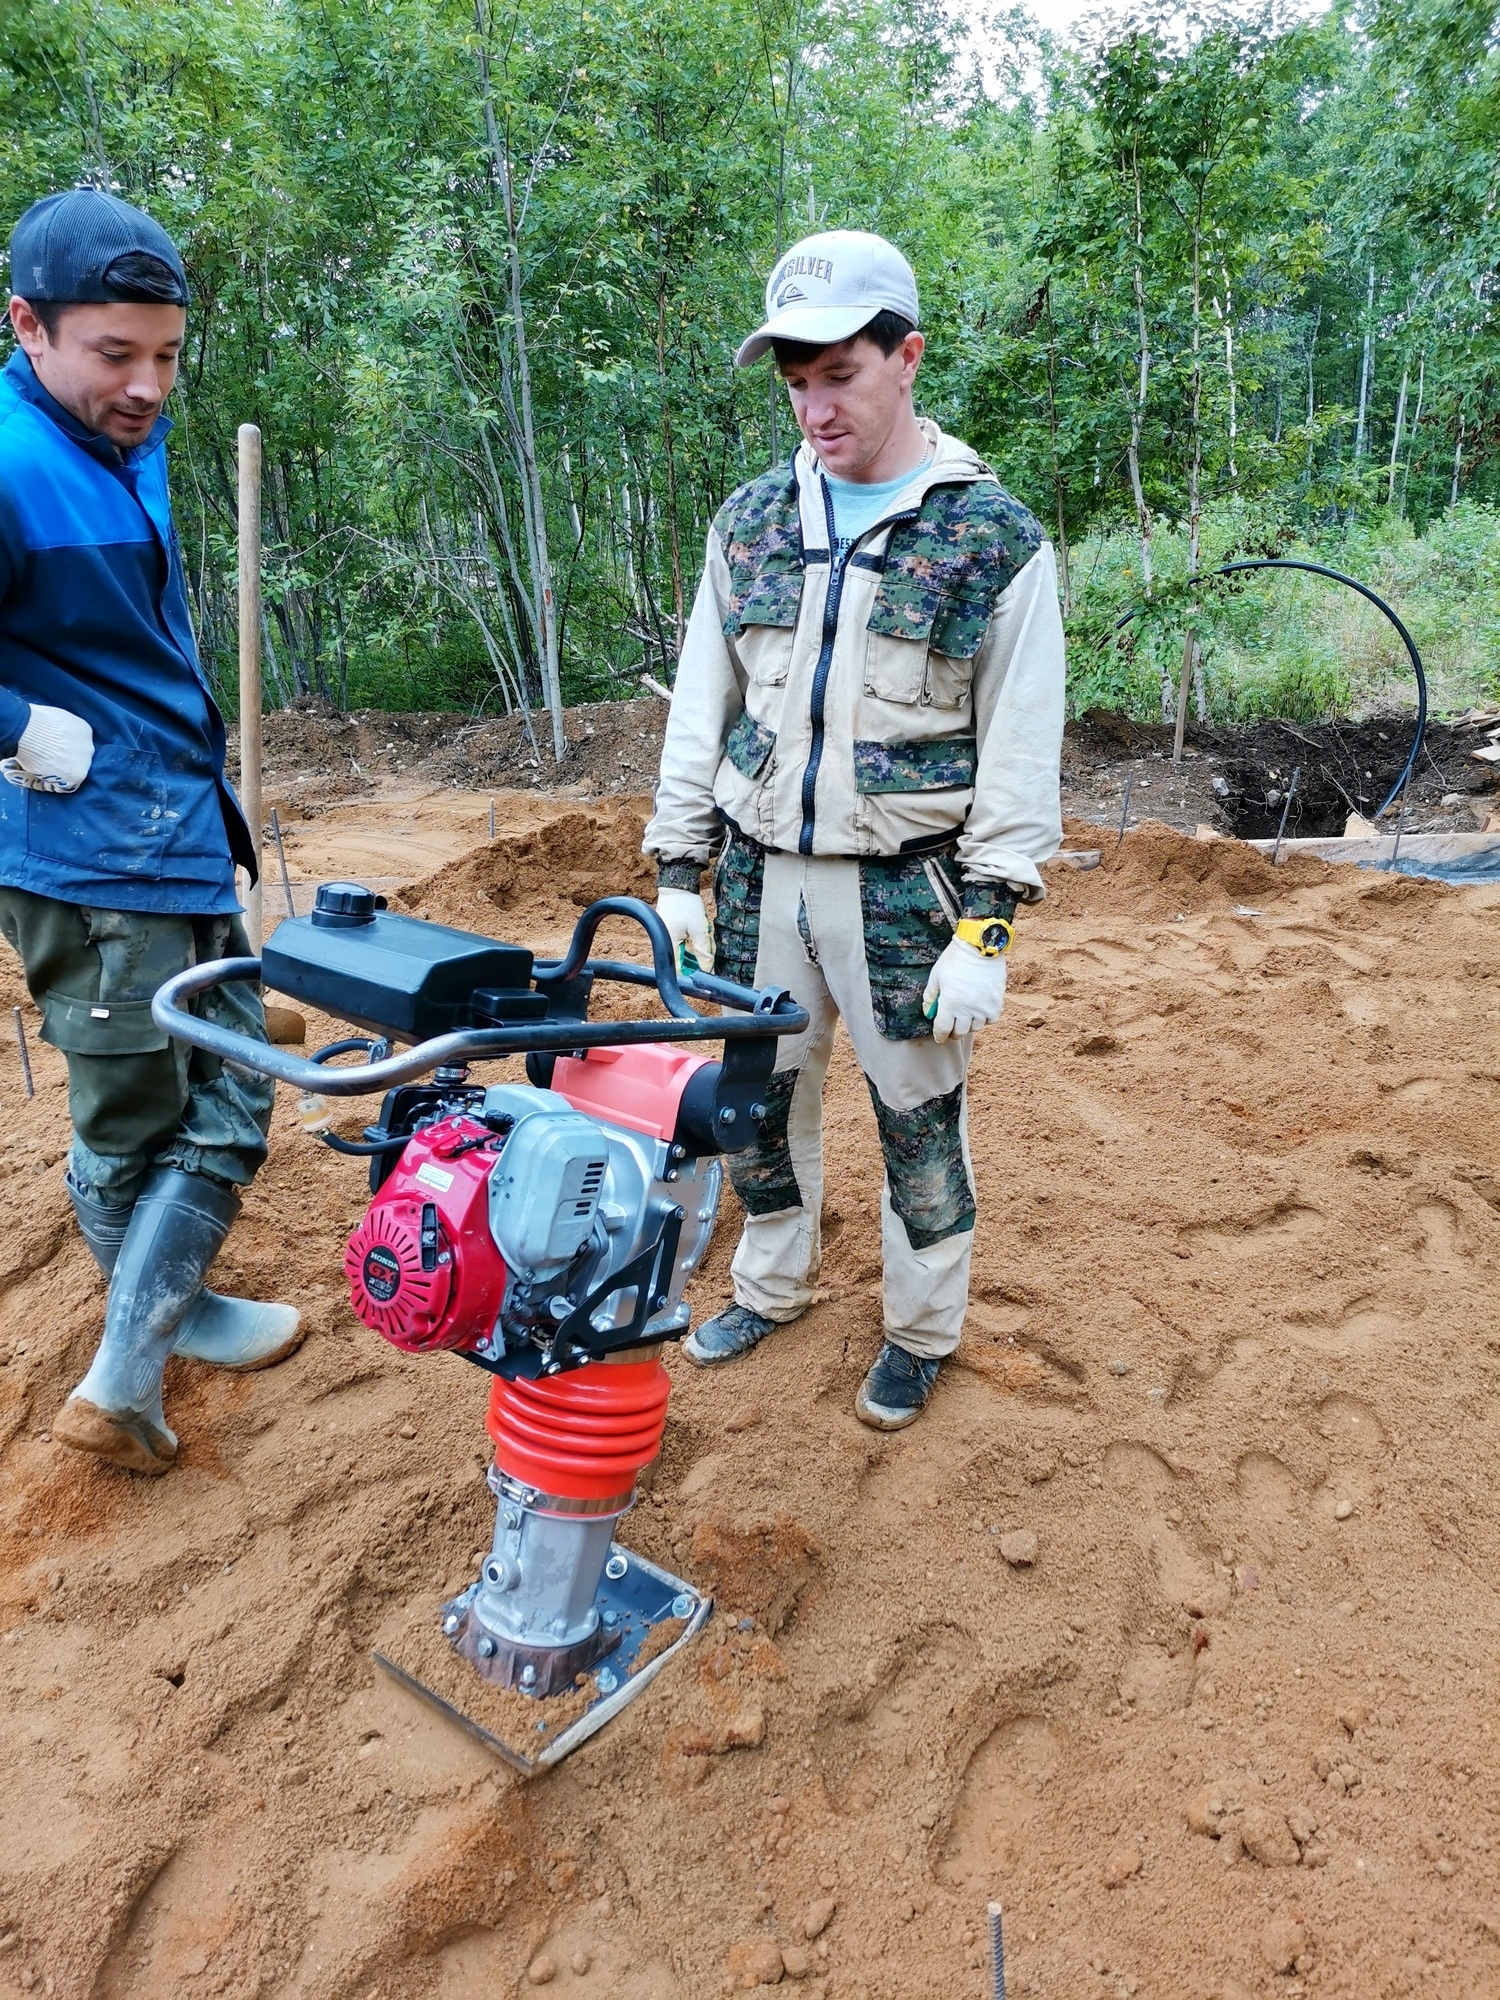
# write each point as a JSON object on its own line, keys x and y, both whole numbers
{"x": 1197, "y": 284}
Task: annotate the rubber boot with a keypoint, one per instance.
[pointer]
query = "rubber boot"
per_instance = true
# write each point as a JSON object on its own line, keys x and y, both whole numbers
{"x": 103, "y": 1224}
{"x": 175, "y": 1233}
{"x": 238, "y": 1334}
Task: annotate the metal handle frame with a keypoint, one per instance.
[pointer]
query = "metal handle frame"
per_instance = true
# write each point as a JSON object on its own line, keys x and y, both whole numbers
{"x": 759, "y": 1012}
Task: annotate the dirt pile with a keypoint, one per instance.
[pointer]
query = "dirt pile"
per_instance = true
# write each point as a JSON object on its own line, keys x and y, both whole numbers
{"x": 545, "y": 875}
{"x": 313, "y": 753}
{"x": 1235, "y": 780}
{"x": 1170, "y": 1624}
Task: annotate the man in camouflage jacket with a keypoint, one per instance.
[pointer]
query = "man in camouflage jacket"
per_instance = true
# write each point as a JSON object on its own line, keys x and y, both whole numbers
{"x": 864, "y": 736}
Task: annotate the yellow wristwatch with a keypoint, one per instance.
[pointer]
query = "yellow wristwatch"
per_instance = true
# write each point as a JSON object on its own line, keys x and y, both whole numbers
{"x": 991, "y": 935}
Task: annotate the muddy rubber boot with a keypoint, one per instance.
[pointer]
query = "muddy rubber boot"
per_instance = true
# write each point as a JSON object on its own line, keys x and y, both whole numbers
{"x": 175, "y": 1233}
{"x": 238, "y": 1334}
{"x": 101, "y": 1223}
{"x": 229, "y": 1333}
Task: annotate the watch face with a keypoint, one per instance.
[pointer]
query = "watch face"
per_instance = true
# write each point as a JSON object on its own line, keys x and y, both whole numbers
{"x": 995, "y": 936}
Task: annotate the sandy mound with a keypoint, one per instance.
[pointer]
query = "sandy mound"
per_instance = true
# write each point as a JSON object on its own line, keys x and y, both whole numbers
{"x": 1230, "y": 1363}
{"x": 544, "y": 876}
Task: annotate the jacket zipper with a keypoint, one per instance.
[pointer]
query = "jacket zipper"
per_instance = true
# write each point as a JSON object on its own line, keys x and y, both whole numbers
{"x": 836, "y": 570}
{"x": 824, "y": 667}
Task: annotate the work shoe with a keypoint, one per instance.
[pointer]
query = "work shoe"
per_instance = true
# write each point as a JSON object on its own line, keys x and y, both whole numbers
{"x": 174, "y": 1234}
{"x": 727, "y": 1336}
{"x": 224, "y": 1332}
{"x": 895, "y": 1391}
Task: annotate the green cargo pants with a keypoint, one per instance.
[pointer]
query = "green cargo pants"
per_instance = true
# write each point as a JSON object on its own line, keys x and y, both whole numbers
{"x": 138, "y": 1099}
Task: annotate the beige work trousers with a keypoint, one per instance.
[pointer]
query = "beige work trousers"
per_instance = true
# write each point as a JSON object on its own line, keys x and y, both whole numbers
{"x": 812, "y": 939}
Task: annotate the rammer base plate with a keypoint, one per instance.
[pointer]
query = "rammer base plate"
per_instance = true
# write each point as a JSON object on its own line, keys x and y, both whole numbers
{"x": 642, "y": 1597}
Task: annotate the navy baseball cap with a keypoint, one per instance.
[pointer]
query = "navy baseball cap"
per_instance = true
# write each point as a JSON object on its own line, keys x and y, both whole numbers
{"x": 64, "y": 247}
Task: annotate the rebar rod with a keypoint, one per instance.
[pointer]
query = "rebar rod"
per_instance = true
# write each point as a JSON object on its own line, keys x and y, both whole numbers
{"x": 1291, "y": 793}
{"x": 25, "y": 1053}
{"x": 997, "y": 1953}
{"x": 286, "y": 880}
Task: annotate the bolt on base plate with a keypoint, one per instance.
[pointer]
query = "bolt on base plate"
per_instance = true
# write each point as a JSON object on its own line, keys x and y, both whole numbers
{"x": 538, "y": 1670}
{"x": 635, "y": 1596}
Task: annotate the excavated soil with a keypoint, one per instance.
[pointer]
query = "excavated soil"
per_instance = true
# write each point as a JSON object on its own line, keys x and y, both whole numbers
{"x": 1172, "y": 1624}
{"x": 1235, "y": 780}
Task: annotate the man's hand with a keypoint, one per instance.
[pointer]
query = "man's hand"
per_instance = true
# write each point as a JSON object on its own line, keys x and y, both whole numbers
{"x": 965, "y": 991}
{"x": 54, "y": 753}
{"x": 687, "y": 923}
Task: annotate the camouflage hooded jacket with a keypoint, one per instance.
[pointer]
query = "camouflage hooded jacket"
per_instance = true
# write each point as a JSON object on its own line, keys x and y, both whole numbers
{"x": 915, "y": 696}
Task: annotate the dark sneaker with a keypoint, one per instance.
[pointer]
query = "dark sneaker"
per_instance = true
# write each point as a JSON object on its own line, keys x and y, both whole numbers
{"x": 896, "y": 1389}
{"x": 726, "y": 1336}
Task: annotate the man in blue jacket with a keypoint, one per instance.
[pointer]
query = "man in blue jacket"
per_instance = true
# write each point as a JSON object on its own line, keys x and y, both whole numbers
{"x": 119, "y": 833}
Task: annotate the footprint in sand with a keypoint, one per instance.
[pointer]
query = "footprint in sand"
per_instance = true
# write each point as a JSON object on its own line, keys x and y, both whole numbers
{"x": 1441, "y": 1250}
{"x": 1362, "y": 1328}
{"x": 1417, "y": 1090}
{"x": 1092, "y": 954}
{"x": 1146, "y": 1483}
{"x": 1259, "y": 1235}
{"x": 868, "y": 1735}
{"x": 1349, "y": 1423}
{"x": 1358, "y": 1443}
{"x": 1272, "y": 1502}
{"x": 1313, "y": 940}
{"x": 1001, "y": 1793}
{"x": 195, "y": 1914}
{"x": 1157, "y": 1680}
{"x": 573, "y": 1960}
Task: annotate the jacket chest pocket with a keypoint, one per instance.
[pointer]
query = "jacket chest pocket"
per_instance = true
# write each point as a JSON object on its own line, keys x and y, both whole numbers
{"x": 766, "y": 625}
{"x": 921, "y": 643}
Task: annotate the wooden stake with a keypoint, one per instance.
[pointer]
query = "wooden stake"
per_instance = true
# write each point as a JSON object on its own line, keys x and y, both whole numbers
{"x": 251, "y": 745}
{"x": 1189, "y": 644}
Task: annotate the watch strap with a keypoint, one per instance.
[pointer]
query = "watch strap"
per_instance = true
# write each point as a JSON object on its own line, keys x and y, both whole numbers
{"x": 991, "y": 935}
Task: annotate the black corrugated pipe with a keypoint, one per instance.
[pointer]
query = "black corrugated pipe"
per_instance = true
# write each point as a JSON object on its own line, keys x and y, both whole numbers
{"x": 1337, "y": 576}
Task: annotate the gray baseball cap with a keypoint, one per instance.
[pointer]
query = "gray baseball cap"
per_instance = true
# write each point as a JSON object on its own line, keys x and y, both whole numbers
{"x": 64, "y": 246}
{"x": 827, "y": 287}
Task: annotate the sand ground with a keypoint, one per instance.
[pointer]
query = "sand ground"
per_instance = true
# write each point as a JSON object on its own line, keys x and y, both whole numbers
{"x": 1232, "y": 1363}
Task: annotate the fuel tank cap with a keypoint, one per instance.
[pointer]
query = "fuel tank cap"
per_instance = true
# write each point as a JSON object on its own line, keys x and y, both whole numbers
{"x": 342, "y": 905}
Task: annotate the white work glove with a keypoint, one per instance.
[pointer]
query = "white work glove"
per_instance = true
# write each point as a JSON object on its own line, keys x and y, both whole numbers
{"x": 965, "y": 991}
{"x": 687, "y": 924}
{"x": 54, "y": 753}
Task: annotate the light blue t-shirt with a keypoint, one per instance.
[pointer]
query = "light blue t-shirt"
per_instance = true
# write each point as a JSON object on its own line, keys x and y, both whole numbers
{"x": 857, "y": 507}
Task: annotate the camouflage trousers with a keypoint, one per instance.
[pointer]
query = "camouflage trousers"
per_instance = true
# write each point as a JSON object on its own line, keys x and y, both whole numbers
{"x": 136, "y": 1098}
{"x": 854, "y": 941}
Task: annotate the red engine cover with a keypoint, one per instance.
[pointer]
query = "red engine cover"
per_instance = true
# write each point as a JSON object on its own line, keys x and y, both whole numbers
{"x": 423, "y": 1268}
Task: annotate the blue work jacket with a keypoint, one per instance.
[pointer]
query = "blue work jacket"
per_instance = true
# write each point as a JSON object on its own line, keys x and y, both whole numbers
{"x": 94, "y": 619}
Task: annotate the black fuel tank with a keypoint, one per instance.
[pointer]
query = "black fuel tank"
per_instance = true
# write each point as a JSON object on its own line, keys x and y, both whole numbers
{"x": 397, "y": 976}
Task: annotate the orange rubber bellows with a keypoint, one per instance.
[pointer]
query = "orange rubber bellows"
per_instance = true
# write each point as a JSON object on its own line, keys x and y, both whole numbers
{"x": 584, "y": 1435}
